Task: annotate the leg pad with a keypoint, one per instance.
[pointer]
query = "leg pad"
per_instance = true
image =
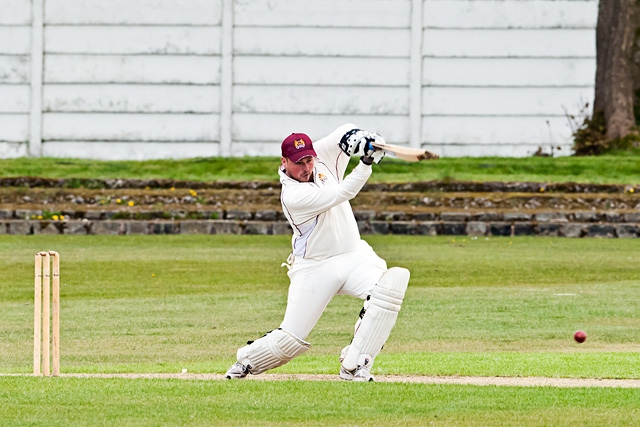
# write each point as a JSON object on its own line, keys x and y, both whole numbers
{"x": 379, "y": 319}
{"x": 272, "y": 350}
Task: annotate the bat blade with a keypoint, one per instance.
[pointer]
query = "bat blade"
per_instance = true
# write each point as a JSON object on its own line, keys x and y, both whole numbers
{"x": 406, "y": 153}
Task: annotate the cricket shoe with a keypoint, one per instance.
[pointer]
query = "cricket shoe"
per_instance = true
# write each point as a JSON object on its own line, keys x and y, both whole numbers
{"x": 360, "y": 374}
{"x": 238, "y": 370}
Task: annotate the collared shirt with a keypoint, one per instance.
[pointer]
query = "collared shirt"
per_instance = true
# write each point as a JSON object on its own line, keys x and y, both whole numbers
{"x": 319, "y": 212}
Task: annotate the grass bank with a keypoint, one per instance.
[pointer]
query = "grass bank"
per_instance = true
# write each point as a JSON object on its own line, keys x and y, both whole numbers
{"x": 610, "y": 169}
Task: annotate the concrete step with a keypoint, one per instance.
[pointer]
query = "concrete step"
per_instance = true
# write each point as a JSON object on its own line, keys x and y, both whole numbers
{"x": 73, "y": 206}
{"x": 367, "y": 227}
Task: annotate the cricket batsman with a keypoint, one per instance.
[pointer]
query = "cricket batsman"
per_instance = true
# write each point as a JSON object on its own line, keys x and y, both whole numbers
{"x": 328, "y": 255}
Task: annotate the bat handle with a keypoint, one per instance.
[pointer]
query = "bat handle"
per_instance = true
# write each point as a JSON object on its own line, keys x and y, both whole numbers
{"x": 369, "y": 146}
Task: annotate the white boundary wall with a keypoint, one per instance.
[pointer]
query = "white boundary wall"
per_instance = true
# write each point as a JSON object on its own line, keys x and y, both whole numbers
{"x": 142, "y": 79}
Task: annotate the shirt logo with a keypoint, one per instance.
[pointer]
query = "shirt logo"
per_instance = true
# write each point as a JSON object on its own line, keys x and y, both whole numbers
{"x": 298, "y": 143}
{"x": 322, "y": 178}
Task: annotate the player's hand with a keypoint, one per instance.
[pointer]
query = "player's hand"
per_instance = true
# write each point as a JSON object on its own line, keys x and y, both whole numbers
{"x": 354, "y": 142}
{"x": 377, "y": 138}
{"x": 372, "y": 155}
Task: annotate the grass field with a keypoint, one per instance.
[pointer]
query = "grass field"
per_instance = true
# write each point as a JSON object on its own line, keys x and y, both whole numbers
{"x": 611, "y": 169}
{"x": 478, "y": 307}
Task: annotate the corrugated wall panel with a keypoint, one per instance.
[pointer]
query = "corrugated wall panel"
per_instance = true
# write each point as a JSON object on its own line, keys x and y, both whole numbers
{"x": 15, "y": 127}
{"x": 310, "y": 66}
{"x": 325, "y": 13}
{"x": 130, "y": 127}
{"x": 115, "y": 150}
{"x": 509, "y": 14}
{"x": 264, "y": 132}
{"x": 233, "y": 77}
{"x": 14, "y": 69}
{"x": 501, "y": 72}
{"x": 502, "y": 77}
{"x": 494, "y": 130}
{"x": 501, "y": 43}
{"x": 131, "y": 98}
{"x": 14, "y": 99}
{"x": 15, "y": 77}
{"x": 482, "y": 136}
{"x": 143, "y": 76}
{"x": 146, "y": 69}
{"x": 322, "y": 42}
{"x": 126, "y": 12}
{"x": 15, "y": 12}
{"x": 500, "y": 101}
{"x": 129, "y": 40}
{"x": 15, "y": 40}
{"x": 321, "y": 71}
{"x": 342, "y": 100}
{"x": 12, "y": 150}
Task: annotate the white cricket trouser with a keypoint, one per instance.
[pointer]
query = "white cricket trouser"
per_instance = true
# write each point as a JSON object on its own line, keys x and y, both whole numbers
{"x": 315, "y": 283}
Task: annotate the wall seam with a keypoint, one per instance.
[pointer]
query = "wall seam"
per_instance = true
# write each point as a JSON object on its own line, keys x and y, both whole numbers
{"x": 37, "y": 71}
{"x": 415, "y": 85}
{"x": 226, "y": 80}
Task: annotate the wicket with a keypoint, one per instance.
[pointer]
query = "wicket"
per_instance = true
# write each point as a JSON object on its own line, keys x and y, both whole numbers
{"x": 44, "y": 263}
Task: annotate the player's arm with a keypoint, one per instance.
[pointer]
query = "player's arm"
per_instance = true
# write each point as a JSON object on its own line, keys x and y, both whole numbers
{"x": 307, "y": 200}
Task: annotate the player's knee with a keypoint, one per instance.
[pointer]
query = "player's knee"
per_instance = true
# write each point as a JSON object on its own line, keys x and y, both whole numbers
{"x": 391, "y": 288}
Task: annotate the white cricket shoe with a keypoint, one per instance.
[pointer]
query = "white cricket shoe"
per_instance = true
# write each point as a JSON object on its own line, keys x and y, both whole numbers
{"x": 238, "y": 370}
{"x": 360, "y": 374}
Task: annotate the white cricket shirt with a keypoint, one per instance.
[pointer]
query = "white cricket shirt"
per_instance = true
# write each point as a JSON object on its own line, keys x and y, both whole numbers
{"x": 319, "y": 212}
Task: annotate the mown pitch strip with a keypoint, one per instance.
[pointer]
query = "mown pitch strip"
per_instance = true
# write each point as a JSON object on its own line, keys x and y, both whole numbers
{"x": 413, "y": 379}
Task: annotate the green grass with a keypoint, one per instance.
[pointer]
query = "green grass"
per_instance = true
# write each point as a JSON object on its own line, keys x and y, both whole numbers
{"x": 79, "y": 402}
{"x": 481, "y": 307}
{"x": 620, "y": 169}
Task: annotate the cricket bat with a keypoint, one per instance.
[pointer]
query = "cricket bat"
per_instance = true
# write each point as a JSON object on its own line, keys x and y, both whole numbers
{"x": 405, "y": 153}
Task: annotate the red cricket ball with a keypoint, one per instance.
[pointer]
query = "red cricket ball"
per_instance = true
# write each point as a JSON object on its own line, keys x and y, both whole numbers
{"x": 580, "y": 336}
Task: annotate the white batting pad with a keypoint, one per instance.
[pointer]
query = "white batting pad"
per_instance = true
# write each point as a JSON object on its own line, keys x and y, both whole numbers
{"x": 272, "y": 350}
{"x": 373, "y": 332}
